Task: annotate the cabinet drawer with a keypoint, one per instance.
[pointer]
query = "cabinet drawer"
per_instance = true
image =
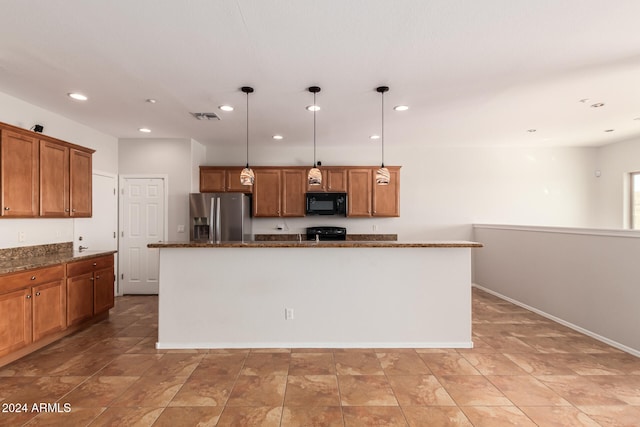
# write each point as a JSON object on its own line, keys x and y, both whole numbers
{"x": 30, "y": 278}
{"x": 89, "y": 265}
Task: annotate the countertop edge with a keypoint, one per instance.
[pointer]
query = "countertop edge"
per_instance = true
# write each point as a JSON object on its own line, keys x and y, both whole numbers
{"x": 321, "y": 244}
{"x": 18, "y": 265}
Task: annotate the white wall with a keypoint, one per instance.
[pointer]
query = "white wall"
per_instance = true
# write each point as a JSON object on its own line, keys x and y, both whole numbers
{"x": 198, "y": 157}
{"x": 171, "y": 157}
{"x": 445, "y": 190}
{"x": 615, "y": 162}
{"x": 22, "y": 114}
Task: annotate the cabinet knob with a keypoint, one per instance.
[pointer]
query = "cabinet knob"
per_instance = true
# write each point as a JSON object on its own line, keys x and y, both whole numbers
{"x": 95, "y": 263}
{"x": 92, "y": 279}
{"x": 37, "y": 294}
{"x": 66, "y": 210}
{"x": 73, "y": 210}
{"x": 33, "y": 277}
{"x": 29, "y": 296}
{"x": 97, "y": 277}
{"x": 6, "y": 208}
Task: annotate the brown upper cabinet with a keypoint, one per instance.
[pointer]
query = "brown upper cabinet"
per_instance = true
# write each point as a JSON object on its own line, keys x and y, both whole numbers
{"x": 367, "y": 199}
{"x": 43, "y": 176}
{"x": 214, "y": 179}
{"x": 54, "y": 179}
{"x": 334, "y": 180}
{"x": 18, "y": 174}
{"x": 279, "y": 192}
{"x": 80, "y": 178}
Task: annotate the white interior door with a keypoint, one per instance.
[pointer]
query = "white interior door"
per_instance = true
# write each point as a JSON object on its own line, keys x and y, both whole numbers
{"x": 99, "y": 233}
{"x": 142, "y": 222}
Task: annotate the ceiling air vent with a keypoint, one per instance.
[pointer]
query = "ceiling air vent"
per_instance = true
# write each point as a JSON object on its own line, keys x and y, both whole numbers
{"x": 206, "y": 116}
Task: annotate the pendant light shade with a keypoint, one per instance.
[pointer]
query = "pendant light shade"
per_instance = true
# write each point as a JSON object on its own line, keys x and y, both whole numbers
{"x": 315, "y": 176}
{"x": 247, "y": 176}
{"x": 382, "y": 174}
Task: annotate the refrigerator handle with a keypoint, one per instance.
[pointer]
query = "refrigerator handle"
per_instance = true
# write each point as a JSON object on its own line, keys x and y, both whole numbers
{"x": 212, "y": 220}
{"x": 218, "y": 224}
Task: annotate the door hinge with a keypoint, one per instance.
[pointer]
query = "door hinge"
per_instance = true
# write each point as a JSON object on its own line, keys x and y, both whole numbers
{"x": 122, "y": 234}
{"x": 114, "y": 191}
{"x": 114, "y": 234}
{"x": 122, "y": 276}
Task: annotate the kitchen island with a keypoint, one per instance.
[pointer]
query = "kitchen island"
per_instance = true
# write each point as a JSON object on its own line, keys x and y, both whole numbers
{"x": 349, "y": 294}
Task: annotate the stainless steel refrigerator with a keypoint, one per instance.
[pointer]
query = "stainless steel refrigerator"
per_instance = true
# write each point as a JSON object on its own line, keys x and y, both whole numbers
{"x": 220, "y": 217}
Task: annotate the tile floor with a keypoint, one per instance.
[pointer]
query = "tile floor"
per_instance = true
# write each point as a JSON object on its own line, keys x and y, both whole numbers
{"x": 524, "y": 371}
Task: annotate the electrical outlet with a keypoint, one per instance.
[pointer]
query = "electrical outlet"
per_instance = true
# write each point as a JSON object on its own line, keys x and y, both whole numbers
{"x": 375, "y": 227}
{"x": 288, "y": 314}
{"x": 20, "y": 236}
{"x": 181, "y": 228}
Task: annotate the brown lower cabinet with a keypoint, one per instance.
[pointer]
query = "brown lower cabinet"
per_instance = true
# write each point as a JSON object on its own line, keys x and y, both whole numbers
{"x": 33, "y": 306}
{"x": 89, "y": 288}
{"x": 41, "y": 305}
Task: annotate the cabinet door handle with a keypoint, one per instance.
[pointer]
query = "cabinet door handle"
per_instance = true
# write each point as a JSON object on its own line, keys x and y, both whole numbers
{"x": 73, "y": 210}
{"x": 95, "y": 263}
{"x": 97, "y": 277}
{"x": 33, "y": 277}
{"x": 92, "y": 279}
{"x": 66, "y": 210}
{"x": 29, "y": 296}
{"x": 6, "y": 208}
{"x": 37, "y": 294}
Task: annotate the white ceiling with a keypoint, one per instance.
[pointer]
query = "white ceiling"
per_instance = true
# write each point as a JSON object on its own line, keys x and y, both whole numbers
{"x": 473, "y": 72}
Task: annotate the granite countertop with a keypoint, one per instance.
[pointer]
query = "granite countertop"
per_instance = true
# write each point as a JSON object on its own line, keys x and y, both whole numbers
{"x": 32, "y": 257}
{"x": 320, "y": 244}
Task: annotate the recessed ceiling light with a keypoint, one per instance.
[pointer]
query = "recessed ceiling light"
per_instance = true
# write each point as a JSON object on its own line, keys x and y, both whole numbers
{"x": 313, "y": 108}
{"x": 531, "y": 130}
{"x": 374, "y": 137}
{"x": 609, "y": 130}
{"x": 401, "y": 107}
{"x": 637, "y": 118}
{"x": 150, "y": 101}
{"x": 597, "y": 105}
{"x": 145, "y": 130}
{"x": 77, "y": 96}
{"x": 278, "y": 137}
{"x": 226, "y": 108}
{"x": 584, "y": 100}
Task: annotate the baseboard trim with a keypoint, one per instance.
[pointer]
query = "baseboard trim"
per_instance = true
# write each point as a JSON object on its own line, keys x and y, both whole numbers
{"x": 262, "y": 345}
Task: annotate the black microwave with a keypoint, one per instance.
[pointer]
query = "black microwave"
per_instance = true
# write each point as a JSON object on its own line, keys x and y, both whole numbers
{"x": 326, "y": 204}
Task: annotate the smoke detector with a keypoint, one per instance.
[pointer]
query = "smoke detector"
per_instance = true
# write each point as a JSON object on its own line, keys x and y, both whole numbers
{"x": 206, "y": 116}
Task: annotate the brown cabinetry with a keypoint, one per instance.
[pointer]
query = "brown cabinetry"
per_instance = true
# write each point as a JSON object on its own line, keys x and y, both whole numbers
{"x": 366, "y": 198}
{"x": 215, "y": 179}
{"x": 54, "y": 179}
{"x": 279, "y": 192}
{"x": 43, "y": 176}
{"x": 80, "y": 183}
{"x": 267, "y": 192}
{"x": 18, "y": 174}
{"x": 32, "y": 304}
{"x": 89, "y": 288}
{"x": 334, "y": 180}
{"x": 359, "y": 192}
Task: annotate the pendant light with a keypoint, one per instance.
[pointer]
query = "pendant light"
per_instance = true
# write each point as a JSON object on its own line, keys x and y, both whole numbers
{"x": 382, "y": 174}
{"x": 315, "y": 176}
{"x": 247, "y": 176}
